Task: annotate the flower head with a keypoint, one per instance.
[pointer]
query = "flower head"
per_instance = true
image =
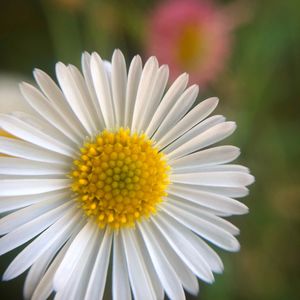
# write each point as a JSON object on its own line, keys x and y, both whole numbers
{"x": 192, "y": 36}
{"x": 115, "y": 166}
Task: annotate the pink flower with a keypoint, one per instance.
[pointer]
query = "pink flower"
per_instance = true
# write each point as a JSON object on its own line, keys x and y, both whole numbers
{"x": 191, "y": 36}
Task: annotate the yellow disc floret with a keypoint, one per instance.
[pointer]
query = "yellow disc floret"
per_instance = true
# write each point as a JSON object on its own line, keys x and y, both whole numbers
{"x": 119, "y": 178}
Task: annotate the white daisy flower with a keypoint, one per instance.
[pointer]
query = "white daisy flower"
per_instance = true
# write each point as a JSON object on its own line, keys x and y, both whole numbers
{"x": 117, "y": 169}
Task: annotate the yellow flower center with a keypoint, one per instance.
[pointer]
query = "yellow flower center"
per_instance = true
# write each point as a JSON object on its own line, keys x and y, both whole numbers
{"x": 5, "y": 134}
{"x": 119, "y": 178}
{"x": 190, "y": 48}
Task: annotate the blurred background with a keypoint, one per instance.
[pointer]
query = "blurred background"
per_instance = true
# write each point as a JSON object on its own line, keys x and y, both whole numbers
{"x": 245, "y": 52}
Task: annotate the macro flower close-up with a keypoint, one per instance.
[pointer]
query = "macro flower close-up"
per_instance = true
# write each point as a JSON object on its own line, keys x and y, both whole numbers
{"x": 117, "y": 168}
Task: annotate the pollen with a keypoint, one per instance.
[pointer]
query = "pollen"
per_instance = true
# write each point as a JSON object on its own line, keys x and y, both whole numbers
{"x": 119, "y": 178}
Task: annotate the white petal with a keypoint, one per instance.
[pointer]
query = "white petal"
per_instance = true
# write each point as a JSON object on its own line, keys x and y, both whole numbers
{"x": 74, "y": 95}
{"x": 233, "y": 192}
{"x": 199, "y": 129}
{"x": 14, "y": 147}
{"x": 33, "y": 135}
{"x": 218, "y": 168}
{"x": 120, "y": 280}
{"x": 134, "y": 76}
{"x": 167, "y": 102}
{"x": 144, "y": 90}
{"x": 155, "y": 281}
{"x": 58, "y": 102}
{"x": 201, "y": 213}
{"x": 206, "y": 252}
{"x": 73, "y": 255}
{"x": 22, "y": 216}
{"x": 202, "y": 227}
{"x": 19, "y": 166}
{"x": 119, "y": 82}
{"x": 108, "y": 70}
{"x": 32, "y": 177}
{"x": 183, "y": 246}
{"x": 103, "y": 90}
{"x": 151, "y": 104}
{"x": 205, "y": 139}
{"x": 210, "y": 200}
{"x": 195, "y": 116}
{"x": 77, "y": 283}
{"x": 45, "y": 286}
{"x": 86, "y": 69}
{"x": 10, "y": 95}
{"x": 29, "y": 230}
{"x": 185, "y": 275}
{"x": 11, "y": 203}
{"x": 139, "y": 278}
{"x": 44, "y": 126}
{"x": 179, "y": 109}
{"x": 54, "y": 236}
{"x": 85, "y": 96}
{"x": 97, "y": 280}
{"x": 165, "y": 272}
{"x": 214, "y": 211}
{"x": 212, "y": 156}
{"x": 41, "y": 105}
{"x": 37, "y": 271}
{"x": 226, "y": 178}
{"x": 31, "y": 186}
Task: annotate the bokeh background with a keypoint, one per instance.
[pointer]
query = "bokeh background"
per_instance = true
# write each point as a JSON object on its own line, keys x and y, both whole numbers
{"x": 257, "y": 80}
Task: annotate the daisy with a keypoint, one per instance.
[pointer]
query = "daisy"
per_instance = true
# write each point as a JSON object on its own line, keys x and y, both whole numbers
{"x": 117, "y": 169}
{"x": 191, "y": 35}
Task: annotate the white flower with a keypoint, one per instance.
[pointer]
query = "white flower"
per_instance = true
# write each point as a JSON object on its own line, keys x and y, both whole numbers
{"x": 116, "y": 167}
